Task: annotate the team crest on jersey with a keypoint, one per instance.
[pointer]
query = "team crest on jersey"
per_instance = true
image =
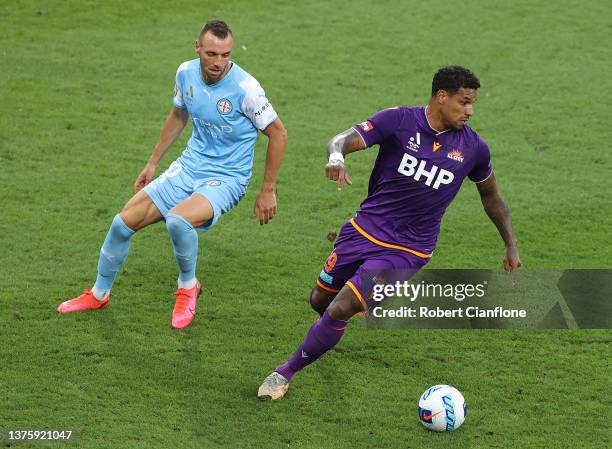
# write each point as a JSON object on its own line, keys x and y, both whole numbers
{"x": 224, "y": 106}
{"x": 436, "y": 146}
{"x": 366, "y": 126}
{"x": 213, "y": 183}
{"x": 455, "y": 155}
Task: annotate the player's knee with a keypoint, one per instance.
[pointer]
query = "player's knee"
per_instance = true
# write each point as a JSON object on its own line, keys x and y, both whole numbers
{"x": 319, "y": 300}
{"x": 344, "y": 306}
{"x": 197, "y": 210}
{"x": 139, "y": 212}
{"x": 132, "y": 220}
{"x": 177, "y": 225}
{"x": 131, "y": 216}
{"x": 119, "y": 229}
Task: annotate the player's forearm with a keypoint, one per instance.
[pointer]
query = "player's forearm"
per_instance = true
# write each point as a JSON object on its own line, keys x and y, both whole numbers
{"x": 345, "y": 143}
{"x": 497, "y": 210}
{"x": 174, "y": 124}
{"x": 274, "y": 160}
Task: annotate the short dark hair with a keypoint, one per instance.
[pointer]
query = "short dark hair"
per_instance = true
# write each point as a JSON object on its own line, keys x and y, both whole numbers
{"x": 452, "y": 78}
{"x": 218, "y": 28}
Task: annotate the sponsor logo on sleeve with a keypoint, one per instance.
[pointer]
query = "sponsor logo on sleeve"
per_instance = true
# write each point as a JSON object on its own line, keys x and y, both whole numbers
{"x": 366, "y": 126}
{"x": 326, "y": 277}
{"x": 262, "y": 109}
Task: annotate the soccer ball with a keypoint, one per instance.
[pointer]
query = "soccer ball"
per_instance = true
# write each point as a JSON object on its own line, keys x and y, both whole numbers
{"x": 442, "y": 408}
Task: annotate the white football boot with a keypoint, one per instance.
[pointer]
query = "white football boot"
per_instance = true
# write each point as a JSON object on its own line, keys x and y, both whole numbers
{"x": 273, "y": 387}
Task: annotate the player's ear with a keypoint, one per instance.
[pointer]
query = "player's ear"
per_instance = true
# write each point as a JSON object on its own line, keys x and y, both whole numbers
{"x": 441, "y": 96}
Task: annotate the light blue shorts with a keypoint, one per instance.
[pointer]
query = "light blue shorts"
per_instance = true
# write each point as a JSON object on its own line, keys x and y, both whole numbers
{"x": 176, "y": 185}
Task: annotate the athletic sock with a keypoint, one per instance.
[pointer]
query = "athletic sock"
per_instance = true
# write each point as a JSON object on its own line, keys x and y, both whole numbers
{"x": 324, "y": 334}
{"x": 187, "y": 284}
{"x": 98, "y": 294}
{"x": 112, "y": 255}
{"x": 185, "y": 243}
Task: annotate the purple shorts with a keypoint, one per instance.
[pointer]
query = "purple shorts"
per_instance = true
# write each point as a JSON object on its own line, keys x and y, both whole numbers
{"x": 360, "y": 263}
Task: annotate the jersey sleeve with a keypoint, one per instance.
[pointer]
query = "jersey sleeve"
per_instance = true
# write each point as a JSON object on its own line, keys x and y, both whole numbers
{"x": 482, "y": 168}
{"x": 379, "y": 126}
{"x": 256, "y": 106}
{"x": 178, "y": 95}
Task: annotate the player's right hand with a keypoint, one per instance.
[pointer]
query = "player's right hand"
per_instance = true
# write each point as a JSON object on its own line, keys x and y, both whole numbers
{"x": 145, "y": 177}
{"x": 336, "y": 171}
{"x": 511, "y": 261}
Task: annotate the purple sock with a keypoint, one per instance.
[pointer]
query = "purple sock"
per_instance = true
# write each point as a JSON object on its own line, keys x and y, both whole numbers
{"x": 324, "y": 334}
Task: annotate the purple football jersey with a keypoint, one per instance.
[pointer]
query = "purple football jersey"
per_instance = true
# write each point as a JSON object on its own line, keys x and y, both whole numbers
{"x": 417, "y": 174}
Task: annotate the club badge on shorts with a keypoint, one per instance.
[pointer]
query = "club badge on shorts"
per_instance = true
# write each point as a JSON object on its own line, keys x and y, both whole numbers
{"x": 224, "y": 106}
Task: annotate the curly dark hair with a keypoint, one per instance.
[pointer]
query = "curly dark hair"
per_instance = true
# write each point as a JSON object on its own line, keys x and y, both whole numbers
{"x": 218, "y": 28}
{"x": 452, "y": 78}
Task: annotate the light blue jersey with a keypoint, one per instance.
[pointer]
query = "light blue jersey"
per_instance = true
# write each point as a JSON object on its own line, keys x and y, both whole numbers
{"x": 217, "y": 165}
{"x": 226, "y": 117}
{"x": 218, "y": 160}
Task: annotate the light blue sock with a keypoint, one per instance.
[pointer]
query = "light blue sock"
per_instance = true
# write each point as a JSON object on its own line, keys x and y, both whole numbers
{"x": 185, "y": 243}
{"x": 113, "y": 253}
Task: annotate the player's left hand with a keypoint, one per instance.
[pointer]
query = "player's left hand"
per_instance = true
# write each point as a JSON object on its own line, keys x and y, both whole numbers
{"x": 265, "y": 206}
{"x": 512, "y": 261}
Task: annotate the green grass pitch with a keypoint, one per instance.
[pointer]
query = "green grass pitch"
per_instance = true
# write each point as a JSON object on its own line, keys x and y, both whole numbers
{"x": 85, "y": 88}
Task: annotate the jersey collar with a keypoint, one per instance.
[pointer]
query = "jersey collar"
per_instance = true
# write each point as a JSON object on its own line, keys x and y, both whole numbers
{"x": 427, "y": 125}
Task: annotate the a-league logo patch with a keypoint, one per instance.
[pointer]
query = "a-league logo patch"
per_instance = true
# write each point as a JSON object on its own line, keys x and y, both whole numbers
{"x": 213, "y": 183}
{"x": 366, "y": 126}
{"x": 188, "y": 98}
{"x": 224, "y": 106}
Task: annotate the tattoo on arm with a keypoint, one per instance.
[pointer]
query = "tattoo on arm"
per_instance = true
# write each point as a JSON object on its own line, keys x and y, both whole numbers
{"x": 497, "y": 210}
{"x": 346, "y": 142}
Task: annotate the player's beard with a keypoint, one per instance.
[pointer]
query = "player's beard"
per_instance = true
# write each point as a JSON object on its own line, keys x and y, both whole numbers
{"x": 222, "y": 73}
